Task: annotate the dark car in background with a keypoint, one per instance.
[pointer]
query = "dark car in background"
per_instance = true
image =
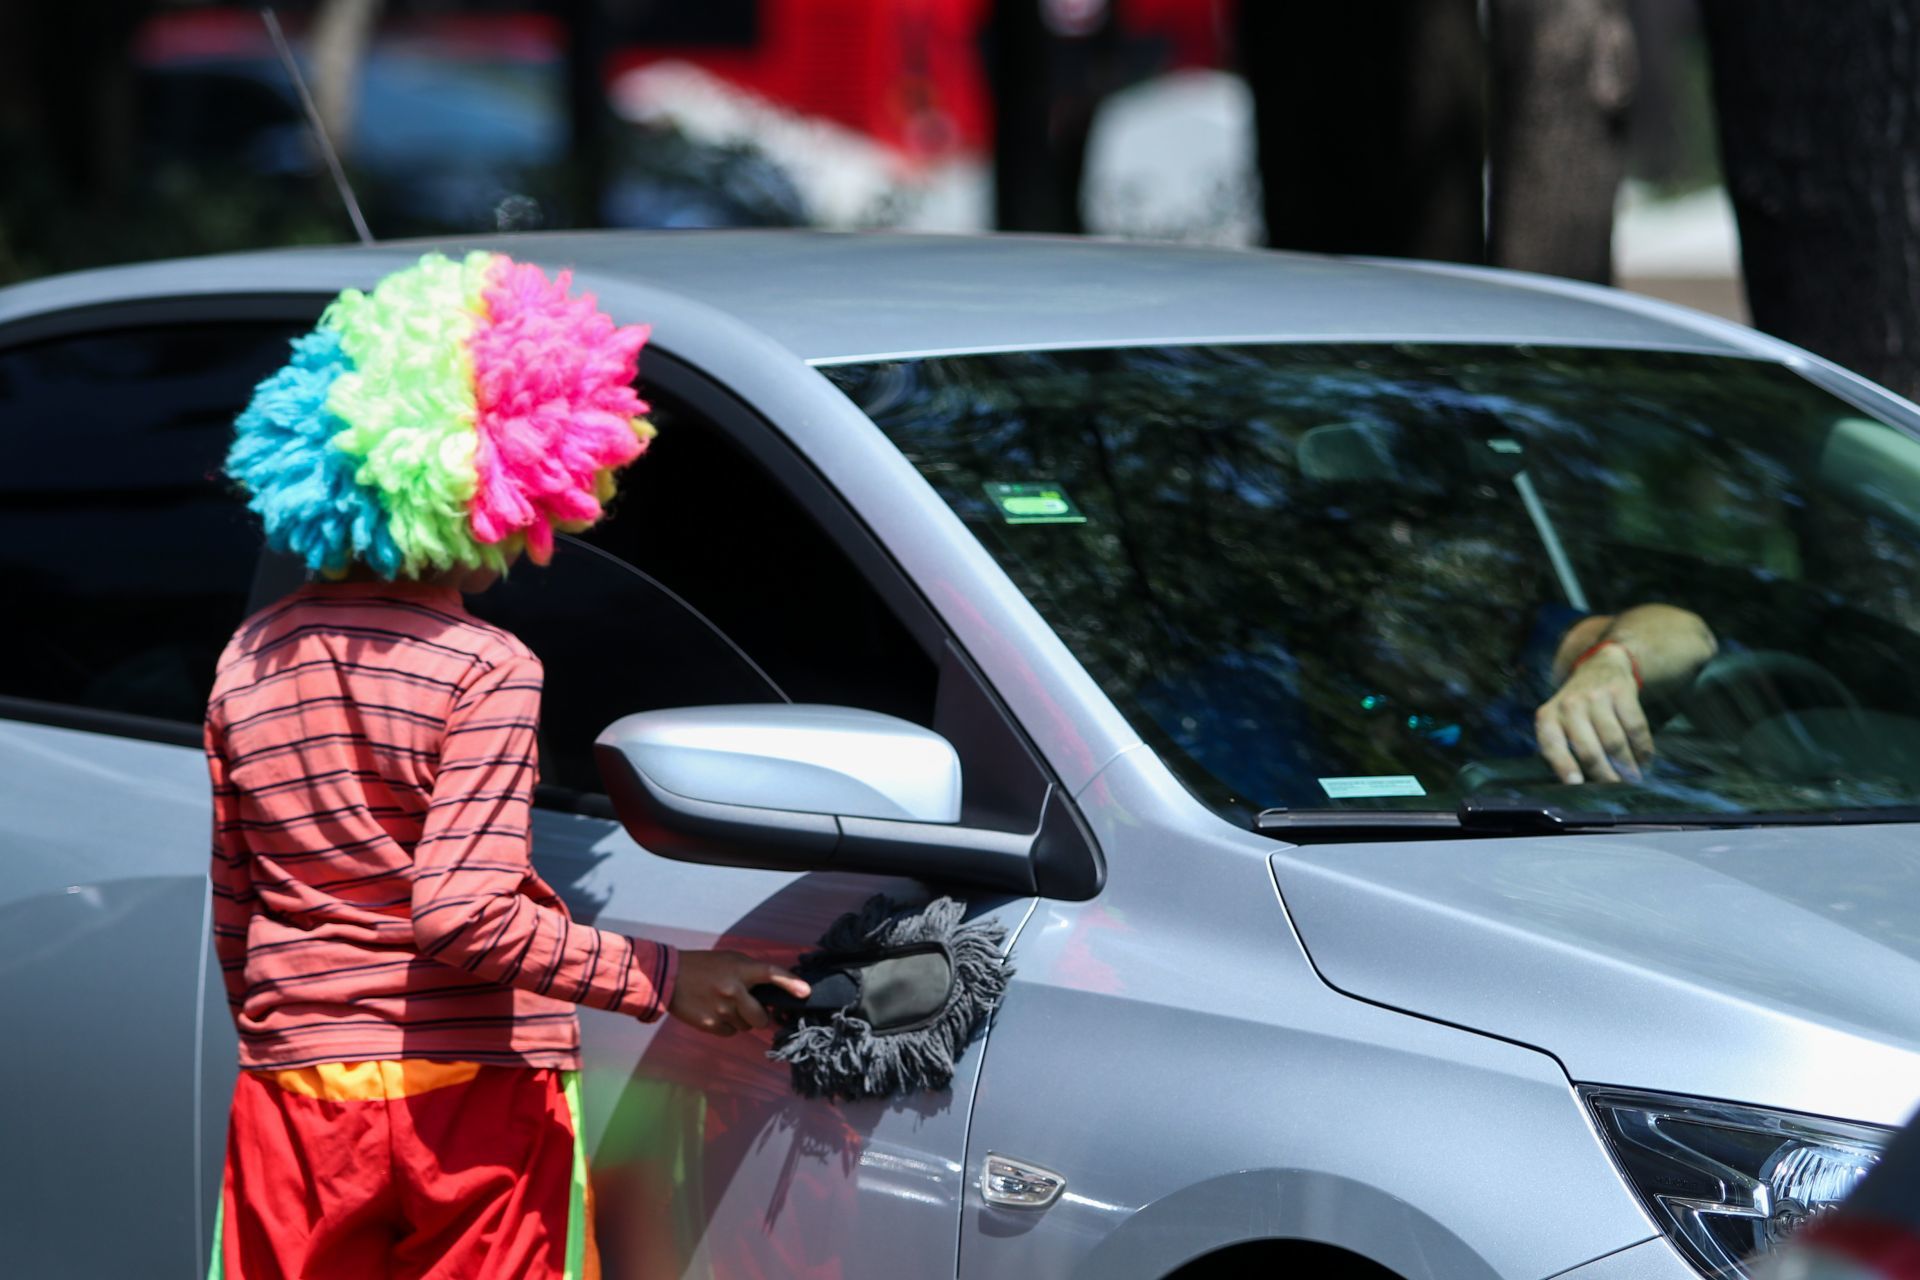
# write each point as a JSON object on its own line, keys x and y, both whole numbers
{"x": 459, "y": 124}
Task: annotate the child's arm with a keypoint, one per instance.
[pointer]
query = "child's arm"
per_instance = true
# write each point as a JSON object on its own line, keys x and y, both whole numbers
{"x": 472, "y": 859}
{"x": 231, "y": 875}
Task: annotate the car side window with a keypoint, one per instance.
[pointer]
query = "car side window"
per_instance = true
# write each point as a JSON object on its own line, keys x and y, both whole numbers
{"x": 714, "y": 525}
{"x": 125, "y": 557}
{"x": 707, "y": 584}
{"x": 613, "y": 641}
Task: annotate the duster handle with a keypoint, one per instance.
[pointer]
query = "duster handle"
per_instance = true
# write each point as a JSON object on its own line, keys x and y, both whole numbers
{"x": 832, "y": 992}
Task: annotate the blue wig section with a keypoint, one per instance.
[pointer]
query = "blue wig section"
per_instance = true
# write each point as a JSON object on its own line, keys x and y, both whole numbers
{"x": 299, "y": 484}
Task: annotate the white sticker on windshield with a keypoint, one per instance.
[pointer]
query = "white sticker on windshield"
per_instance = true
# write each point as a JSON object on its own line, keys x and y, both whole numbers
{"x": 1380, "y": 784}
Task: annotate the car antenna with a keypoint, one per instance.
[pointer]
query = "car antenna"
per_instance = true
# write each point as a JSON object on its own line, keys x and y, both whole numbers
{"x": 313, "y": 120}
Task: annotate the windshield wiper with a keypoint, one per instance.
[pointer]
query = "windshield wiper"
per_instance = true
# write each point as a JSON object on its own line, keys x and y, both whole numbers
{"x": 1473, "y": 818}
{"x": 1482, "y": 817}
{"x": 1534, "y": 817}
{"x": 1304, "y": 826}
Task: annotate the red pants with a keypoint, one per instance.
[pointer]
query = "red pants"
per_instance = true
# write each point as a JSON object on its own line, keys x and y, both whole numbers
{"x": 404, "y": 1170}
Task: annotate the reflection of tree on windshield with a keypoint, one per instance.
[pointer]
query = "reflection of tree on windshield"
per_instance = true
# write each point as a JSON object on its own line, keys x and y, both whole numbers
{"x": 1377, "y": 601}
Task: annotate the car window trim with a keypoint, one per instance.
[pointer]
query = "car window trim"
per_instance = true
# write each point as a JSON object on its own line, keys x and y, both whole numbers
{"x": 118, "y": 724}
{"x": 106, "y": 317}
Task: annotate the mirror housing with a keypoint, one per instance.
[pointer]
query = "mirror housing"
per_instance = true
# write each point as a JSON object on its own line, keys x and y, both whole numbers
{"x": 799, "y": 787}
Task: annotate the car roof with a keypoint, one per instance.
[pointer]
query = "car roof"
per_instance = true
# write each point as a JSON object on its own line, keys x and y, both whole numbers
{"x": 838, "y": 296}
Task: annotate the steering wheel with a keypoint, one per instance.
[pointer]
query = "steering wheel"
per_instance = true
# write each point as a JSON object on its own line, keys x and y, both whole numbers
{"x": 1731, "y": 695}
{"x": 1735, "y": 692}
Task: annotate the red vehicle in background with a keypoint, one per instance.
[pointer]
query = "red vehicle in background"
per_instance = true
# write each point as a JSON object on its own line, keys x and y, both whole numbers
{"x": 460, "y": 110}
{"x": 908, "y": 73}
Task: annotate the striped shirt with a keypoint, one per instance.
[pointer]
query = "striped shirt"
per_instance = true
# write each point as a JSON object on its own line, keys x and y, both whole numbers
{"x": 372, "y": 749}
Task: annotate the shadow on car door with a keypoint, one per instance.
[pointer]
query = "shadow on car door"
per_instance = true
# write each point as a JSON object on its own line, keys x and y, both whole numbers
{"x": 705, "y": 1162}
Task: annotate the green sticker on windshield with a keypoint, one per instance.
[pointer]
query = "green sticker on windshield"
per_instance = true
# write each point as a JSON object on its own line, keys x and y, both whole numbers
{"x": 1033, "y": 502}
{"x": 1380, "y": 784}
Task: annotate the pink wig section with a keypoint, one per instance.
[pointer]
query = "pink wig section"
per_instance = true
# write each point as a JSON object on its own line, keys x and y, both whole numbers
{"x": 553, "y": 381}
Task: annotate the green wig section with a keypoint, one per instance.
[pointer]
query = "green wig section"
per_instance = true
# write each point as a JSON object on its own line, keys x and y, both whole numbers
{"x": 408, "y": 405}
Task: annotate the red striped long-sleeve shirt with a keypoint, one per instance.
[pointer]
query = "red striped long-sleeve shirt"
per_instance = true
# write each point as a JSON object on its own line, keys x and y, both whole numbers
{"x": 372, "y": 750}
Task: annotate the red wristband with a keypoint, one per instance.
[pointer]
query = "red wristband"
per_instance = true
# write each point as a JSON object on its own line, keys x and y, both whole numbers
{"x": 1632, "y": 663}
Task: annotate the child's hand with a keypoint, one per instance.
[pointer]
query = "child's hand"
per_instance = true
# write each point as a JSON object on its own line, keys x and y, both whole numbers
{"x": 711, "y": 991}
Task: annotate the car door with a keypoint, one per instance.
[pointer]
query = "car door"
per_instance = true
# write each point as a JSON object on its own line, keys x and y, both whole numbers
{"x": 124, "y": 565}
{"x": 716, "y": 581}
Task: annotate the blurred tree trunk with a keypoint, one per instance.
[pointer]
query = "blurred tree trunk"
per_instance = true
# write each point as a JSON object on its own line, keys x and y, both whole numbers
{"x": 1046, "y": 87}
{"x": 1663, "y": 33}
{"x": 1025, "y": 194}
{"x": 1369, "y": 120}
{"x": 1819, "y": 111}
{"x": 79, "y": 94}
{"x": 342, "y": 30}
{"x": 589, "y": 118}
{"x": 1563, "y": 78}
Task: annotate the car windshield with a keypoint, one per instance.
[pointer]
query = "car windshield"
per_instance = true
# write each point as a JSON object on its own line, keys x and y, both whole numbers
{"x": 1347, "y": 576}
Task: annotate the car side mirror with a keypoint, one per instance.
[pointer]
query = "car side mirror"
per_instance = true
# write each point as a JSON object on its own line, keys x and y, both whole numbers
{"x": 800, "y": 787}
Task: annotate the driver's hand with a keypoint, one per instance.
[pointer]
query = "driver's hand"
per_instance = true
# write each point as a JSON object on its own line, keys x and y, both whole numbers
{"x": 712, "y": 991}
{"x": 1593, "y": 729}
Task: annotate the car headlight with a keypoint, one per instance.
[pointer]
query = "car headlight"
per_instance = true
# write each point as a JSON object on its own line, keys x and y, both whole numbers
{"x": 1727, "y": 1183}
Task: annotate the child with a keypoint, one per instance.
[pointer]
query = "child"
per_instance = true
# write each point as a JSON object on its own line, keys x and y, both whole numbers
{"x": 402, "y": 981}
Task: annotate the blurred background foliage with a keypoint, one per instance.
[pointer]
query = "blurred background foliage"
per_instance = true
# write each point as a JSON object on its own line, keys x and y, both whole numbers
{"x": 135, "y": 128}
{"x": 1577, "y": 137}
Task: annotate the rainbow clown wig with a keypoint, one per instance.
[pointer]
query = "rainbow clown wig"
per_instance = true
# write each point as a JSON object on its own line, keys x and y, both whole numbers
{"x": 459, "y": 413}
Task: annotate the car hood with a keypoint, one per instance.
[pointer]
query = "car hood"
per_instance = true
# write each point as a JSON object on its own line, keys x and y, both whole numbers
{"x": 1779, "y": 967}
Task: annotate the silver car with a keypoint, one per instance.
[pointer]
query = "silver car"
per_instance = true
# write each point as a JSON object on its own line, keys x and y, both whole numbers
{"x": 1224, "y": 580}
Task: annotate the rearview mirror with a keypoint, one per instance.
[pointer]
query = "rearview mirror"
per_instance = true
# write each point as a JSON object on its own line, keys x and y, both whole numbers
{"x": 801, "y": 787}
